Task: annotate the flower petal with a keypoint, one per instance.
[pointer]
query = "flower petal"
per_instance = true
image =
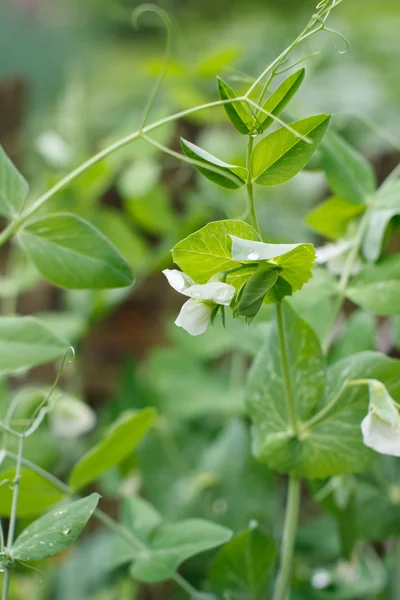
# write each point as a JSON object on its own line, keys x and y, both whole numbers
{"x": 194, "y": 317}
{"x": 178, "y": 280}
{"x": 380, "y": 436}
{"x": 213, "y": 291}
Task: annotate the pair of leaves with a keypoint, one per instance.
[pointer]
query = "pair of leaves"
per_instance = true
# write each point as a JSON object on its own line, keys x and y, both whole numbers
{"x": 164, "y": 546}
{"x": 240, "y": 116}
{"x": 55, "y": 531}
{"x": 118, "y": 442}
{"x": 332, "y": 445}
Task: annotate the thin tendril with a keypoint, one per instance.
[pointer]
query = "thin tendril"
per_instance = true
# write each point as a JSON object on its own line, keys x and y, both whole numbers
{"x": 28, "y": 566}
{"x": 160, "y": 12}
{"x": 298, "y": 62}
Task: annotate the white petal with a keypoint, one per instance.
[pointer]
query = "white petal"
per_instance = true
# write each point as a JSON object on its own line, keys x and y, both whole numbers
{"x": 71, "y": 417}
{"x": 178, "y": 280}
{"x": 213, "y": 291}
{"x": 331, "y": 251}
{"x": 194, "y": 317}
{"x": 380, "y": 436}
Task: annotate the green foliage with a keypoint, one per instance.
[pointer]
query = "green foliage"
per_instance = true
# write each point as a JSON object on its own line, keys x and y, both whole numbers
{"x": 332, "y": 217}
{"x": 173, "y": 543}
{"x": 36, "y": 494}
{"x": 243, "y": 567}
{"x": 237, "y": 112}
{"x": 55, "y": 531}
{"x": 280, "y": 98}
{"x": 235, "y": 176}
{"x": 26, "y": 342}
{"x": 349, "y": 174}
{"x": 376, "y": 288}
{"x": 283, "y": 154}
{"x": 117, "y": 443}
{"x": 71, "y": 253}
{"x": 386, "y": 205}
{"x": 13, "y": 188}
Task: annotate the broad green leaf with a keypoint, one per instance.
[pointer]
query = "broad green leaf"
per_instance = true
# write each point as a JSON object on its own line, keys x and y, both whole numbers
{"x": 236, "y": 111}
{"x": 282, "y": 154}
{"x": 333, "y": 444}
{"x": 153, "y": 212}
{"x": 332, "y": 217}
{"x": 358, "y": 336}
{"x": 280, "y": 98}
{"x": 349, "y": 174}
{"x": 244, "y": 565}
{"x": 207, "y": 251}
{"x": 117, "y": 444}
{"x": 171, "y": 544}
{"x": 377, "y": 287}
{"x": 26, "y": 342}
{"x": 55, "y": 531}
{"x": 13, "y": 188}
{"x": 225, "y": 175}
{"x": 295, "y": 261}
{"x": 385, "y": 207}
{"x": 36, "y": 494}
{"x": 273, "y": 442}
{"x": 71, "y": 253}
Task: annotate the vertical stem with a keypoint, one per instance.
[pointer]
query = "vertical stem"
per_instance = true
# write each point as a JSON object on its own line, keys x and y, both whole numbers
{"x": 13, "y": 514}
{"x": 290, "y": 402}
{"x": 249, "y": 186}
{"x": 289, "y": 534}
{"x": 293, "y": 501}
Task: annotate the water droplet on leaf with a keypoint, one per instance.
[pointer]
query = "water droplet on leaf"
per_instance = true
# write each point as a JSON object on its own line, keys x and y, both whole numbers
{"x": 66, "y": 530}
{"x": 253, "y": 256}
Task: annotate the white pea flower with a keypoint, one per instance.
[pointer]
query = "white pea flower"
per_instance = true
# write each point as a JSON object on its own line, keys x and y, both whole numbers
{"x": 381, "y": 426}
{"x": 335, "y": 256}
{"x": 195, "y": 314}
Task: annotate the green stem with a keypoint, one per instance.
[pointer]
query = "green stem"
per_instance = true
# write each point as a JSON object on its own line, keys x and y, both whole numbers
{"x": 288, "y": 541}
{"x": 249, "y": 186}
{"x": 6, "y": 583}
{"x": 290, "y": 401}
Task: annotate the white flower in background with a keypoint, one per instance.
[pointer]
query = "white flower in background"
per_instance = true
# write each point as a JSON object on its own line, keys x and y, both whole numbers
{"x": 196, "y": 313}
{"x": 335, "y": 257}
{"x": 71, "y": 417}
{"x": 54, "y": 149}
{"x": 381, "y": 426}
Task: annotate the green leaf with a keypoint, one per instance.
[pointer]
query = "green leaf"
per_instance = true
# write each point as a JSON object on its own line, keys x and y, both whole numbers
{"x": 36, "y": 494}
{"x": 173, "y": 543}
{"x": 55, "y": 531}
{"x": 244, "y": 565}
{"x": 349, "y": 174}
{"x": 252, "y": 295}
{"x": 13, "y": 188}
{"x": 117, "y": 444}
{"x": 358, "y": 336}
{"x": 236, "y": 111}
{"x": 71, "y": 253}
{"x": 280, "y": 98}
{"x": 207, "y": 251}
{"x": 295, "y": 263}
{"x": 235, "y": 176}
{"x": 385, "y": 207}
{"x": 332, "y": 217}
{"x": 377, "y": 287}
{"x": 25, "y": 342}
{"x": 282, "y": 154}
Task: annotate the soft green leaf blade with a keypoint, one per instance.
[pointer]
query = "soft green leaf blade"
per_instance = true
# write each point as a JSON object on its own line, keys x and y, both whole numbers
{"x": 227, "y": 176}
{"x": 349, "y": 174}
{"x": 282, "y": 154}
{"x": 332, "y": 217}
{"x": 207, "y": 251}
{"x": 358, "y": 336}
{"x": 273, "y": 442}
{"x": 71, "y": 253}
{"x": 334, "y": 445}
{"x": 173, "y": 543}
{"x": 26, "y": 342}
{"x": 244, "y": 565}
{"x": 55, "y": 531}
{"x": 236, "y": 111}
{"x": 13, "y": 188}
{"x": 116, "y": 445}
{"x": 253, "y": 293}
{"x": 280, "y": 98}
{"x": 36, "y": 494}
{"x": 373, "y": 240}
{"x": 377, "y": 287}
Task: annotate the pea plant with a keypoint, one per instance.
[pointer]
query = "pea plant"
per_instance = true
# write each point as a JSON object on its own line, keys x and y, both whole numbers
{"x": 321, "y": 400}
